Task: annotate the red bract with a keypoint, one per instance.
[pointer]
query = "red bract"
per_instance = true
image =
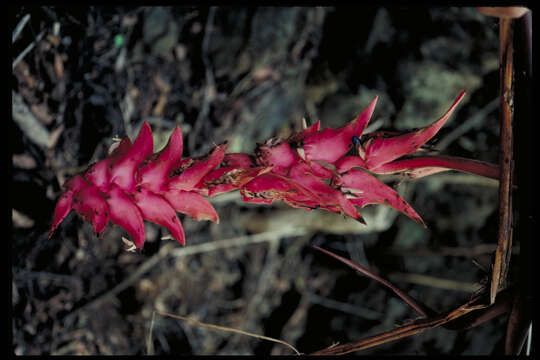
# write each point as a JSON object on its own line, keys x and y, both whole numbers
{"x": 331, "y": 144}
{"x": 379, "y": 148}
{"x": 228, "y": 179}
{"x": 329, "y": 197}
{"x": 126, "y": 214}
{"x": 367, "y": 189}
{"x": 279, "y": 155}
{"x": 188, "y": 172}
{"x": 65, "y": 203}
{"x": 270, "y": 187}
{"x": 132, "y": 184}
{"x": 153, "y": 174}
{"x": 123, "y": 172}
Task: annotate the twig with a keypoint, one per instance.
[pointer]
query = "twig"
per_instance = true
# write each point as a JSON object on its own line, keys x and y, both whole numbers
{"x": 502, "y": 305}
{"x": 422, "y": 309}
{"x": 223, "y": 328}
{"x": 412, "y": 328}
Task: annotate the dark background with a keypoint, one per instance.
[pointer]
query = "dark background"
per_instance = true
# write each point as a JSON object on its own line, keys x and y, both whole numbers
{"x": 244, "y": 75}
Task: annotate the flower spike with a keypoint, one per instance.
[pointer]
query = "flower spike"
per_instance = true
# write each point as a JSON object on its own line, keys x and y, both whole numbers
{"x": 310, "y": 169}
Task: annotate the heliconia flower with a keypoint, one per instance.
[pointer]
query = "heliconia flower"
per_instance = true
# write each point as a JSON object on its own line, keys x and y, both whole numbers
{"x": 330, "y": 169}
{"x": 132, "y": 185}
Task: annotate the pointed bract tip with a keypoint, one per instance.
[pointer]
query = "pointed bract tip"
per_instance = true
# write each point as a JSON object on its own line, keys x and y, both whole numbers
{"x": 361, "y": 220}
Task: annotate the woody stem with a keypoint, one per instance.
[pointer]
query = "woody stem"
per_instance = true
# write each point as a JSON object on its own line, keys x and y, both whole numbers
{"x": 506, "y": 98}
